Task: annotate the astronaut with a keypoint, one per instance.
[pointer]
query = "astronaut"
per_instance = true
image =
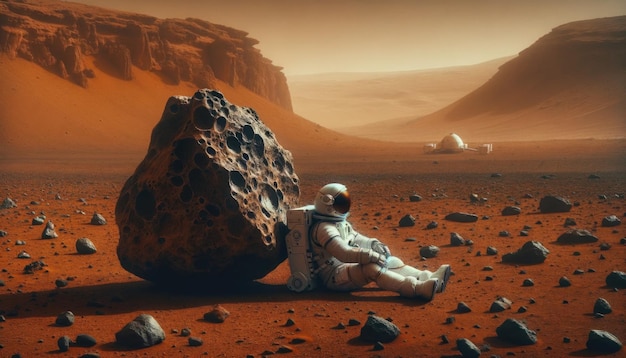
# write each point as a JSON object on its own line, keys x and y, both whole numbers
{"x": 347, "y": 260}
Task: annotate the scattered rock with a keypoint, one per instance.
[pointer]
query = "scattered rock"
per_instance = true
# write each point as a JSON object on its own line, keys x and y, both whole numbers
{"x": 48, "y": 231}
{"x": 516, "y": 332}
{"x": 143, "y": 331}
{"x": 407, "y": 221}
{"x": 195, "y": 341}
{"x": 98, "y": 219}
{"x": 576, "y": 236}
{"x": 429, "y": 251}
{"x": 432, "y": 225}
{"x": 504, "y": 233}
{"x": 569, "y": 222}
{"x": 84, "y": 246}
{"x": 491, "y": 251}
{"x": 511, "y": 210}
{"x": 61, "y": 282}
{"x": 602, "y": 306}
{"x": 462, "y": 217}
{"x": 500, "y": 304}
{"x": 554, "y": 204}
{"x": 23, "y": 255}
{"x": 217, "y": 315}
{"x": 467, "y": 348}
{"x": 528, "y": 283}
{"x": 65, "y": 319}
{"x": 616, "y": 279}
{"x": 564, "y": 282}
{"x": 532, "y": 252}
{"x": 415, "y": 198}
{"x": 610, "y": 221}
{"x": 462, "y": 307}
{"x": 456, "y": 239}
{"x": 603, "y": 341}
{"x": 8, "y": 203}
{"x": 38, "y": 220}
{"x": 85, "y": 340}
{"x": 378, "y": 346}
{"x": 34, "y": 266}
{"x": 377, "y": 329}
{"x": 207, "y": 206}
{"x": 64, "y": 343}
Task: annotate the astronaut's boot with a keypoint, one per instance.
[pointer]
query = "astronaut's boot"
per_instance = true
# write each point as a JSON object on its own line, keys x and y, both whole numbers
{"x": 443, "y": 275}
{"x": 412, "y": 287}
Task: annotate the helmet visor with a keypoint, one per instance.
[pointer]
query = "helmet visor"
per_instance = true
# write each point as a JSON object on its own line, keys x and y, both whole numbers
{"x": 342, "y": 202}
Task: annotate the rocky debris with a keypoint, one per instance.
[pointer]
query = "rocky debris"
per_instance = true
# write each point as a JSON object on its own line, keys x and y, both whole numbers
{"x": 576, "y": 236}
{"x": 467, "y": 348}
{"x": 532, "y": 252}
{"x": 415, "y": 198}
{"x": 59, "y": 36}
{"x": 64, "y": 343}
{"x": 84, "y": 246}
{"x": 491, "y": 251}
{"x": 528, "y": 282}
{"x": 564, "y": 282}
{"x": 554, "y": 204}
{"x": 208, "y": 203}
{"x": 569, "y": 222}
{"x": 65, "y": 319}
{"x": 429, "y": 251}
{"x": 456, "y": 239}
{"x": 511, "y": 210}
{"x": 98, "y": 219}
{"x": 38, "y": 220}
{"x": 143, "y": 331}
{"x": 500, "y": 304}
{"x": 3, "y": 233}
{"x": 85, "y": 340}
{"x": 504, "y": 233}
{"x": 34, "y": 266}
{"x": 616, "y": 279}
{"x": 195, "y": 341}
{"x": 603, "y": 341}
{"x": 462, "y": 217}
{"x": 23, "y": 255}
{"x": 432, "y": 225}
{"x": 610, "y": 221}
{"x": 516, "y": 332}
{"x": 377, "y": 329}
{"x": 217, "y": 315}
{"x": 407, "y": 221}
{"x": 48, "y": 231}
{"x": 8, "y": 203}
{"x": 61, "y": 282}
{"x": 462, "y": 307}
{"x": 602, "y": 306}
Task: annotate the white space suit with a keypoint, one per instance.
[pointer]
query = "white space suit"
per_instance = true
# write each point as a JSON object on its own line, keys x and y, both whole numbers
{"x": 347, "y": 260}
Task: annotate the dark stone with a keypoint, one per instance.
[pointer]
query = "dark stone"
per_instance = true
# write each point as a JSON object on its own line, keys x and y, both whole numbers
{"x": 195, "y": 341}
{"x": 85, "y": 340}
{"x": 616, "y": 279}
{"x": 504, "y": 233}
{"x": 462, "y": 307}
{"x": 462, "y": 217}
{"x": 569, "y": 222}
{"x": 65, "y": 319}
{"x": 511, "y": 210}
{"x": 500, "y": 304}
{"x": 48, "y": 231}
{"x": 84, "y": 246}
{"x": 610, "y": 221}
{"x": 456, "y": 239}
{"x": 514, "y": 331}
{"x": 415, "y": 198}
{"x": 217, "y": 315}
{"x": 429, "y": 251}
{"x": 576, "y": 236}
{"x": 467, "y": 348}
{"x": 39, "y": 220}
{"x": 8, "y": 203}
{"x": 554, "y": 204}
{"x": 143, "y": 331}
{"x": 491, "y": 251}
{"x": 564, "y": 282}
{"x": 532, "y": 252}
{"x": 64, "y": 343}
{"x": 602, "y": 306}
{"x": 528, "y": 283}
{"x": 603, "y": 341}
{"x": 432, "y": 225}
{"x": 407, "y": 220}
{"x": 98, "y": 219}
{"x": 378, "y": 329}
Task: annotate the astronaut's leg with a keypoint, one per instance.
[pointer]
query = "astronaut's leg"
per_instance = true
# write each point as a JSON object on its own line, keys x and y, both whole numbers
{"x": 406, "y": 286}
{"x": 442, "y": 274}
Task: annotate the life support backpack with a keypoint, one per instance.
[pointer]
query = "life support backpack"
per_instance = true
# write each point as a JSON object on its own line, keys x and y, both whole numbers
{"x": 303, "y": 270}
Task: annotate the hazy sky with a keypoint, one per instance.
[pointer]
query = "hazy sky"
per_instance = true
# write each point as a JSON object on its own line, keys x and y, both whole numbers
{"x": 313, "y": 36}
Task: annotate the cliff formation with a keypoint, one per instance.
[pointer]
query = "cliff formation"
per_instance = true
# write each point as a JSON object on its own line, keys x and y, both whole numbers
{"x": 58, "y": 35}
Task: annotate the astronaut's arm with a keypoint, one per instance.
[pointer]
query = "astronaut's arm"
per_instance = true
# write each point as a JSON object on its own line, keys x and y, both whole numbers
{"x": 346, "y": 253}
{"x": 369, "y": 243}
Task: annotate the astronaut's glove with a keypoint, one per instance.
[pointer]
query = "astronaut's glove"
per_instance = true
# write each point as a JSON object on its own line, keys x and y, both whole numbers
{"x": 381, "y": 248}
{"x": 382, "y": 261}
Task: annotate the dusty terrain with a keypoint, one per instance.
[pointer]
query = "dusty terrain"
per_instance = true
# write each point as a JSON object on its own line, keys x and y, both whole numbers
{"x": 104, "y": 297}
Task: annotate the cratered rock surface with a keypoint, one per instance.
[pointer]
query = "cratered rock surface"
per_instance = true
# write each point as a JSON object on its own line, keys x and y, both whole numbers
{"x": 208, "y": 203}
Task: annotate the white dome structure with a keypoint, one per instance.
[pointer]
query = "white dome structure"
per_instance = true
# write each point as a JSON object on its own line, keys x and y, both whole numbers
{"x": 452, "y": 143}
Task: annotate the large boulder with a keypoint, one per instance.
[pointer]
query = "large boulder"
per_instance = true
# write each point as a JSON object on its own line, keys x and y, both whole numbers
{"x": 208, "y": 203}
{"x": 532, "y": 252}
{"x": 554, "y": 204}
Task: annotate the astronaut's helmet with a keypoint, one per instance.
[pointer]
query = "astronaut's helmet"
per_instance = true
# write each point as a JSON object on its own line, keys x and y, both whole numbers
{"x": 333, "y": 200}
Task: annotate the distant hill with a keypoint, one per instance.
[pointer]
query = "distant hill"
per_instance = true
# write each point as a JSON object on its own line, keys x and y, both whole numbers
{"x": 569, "y": 84}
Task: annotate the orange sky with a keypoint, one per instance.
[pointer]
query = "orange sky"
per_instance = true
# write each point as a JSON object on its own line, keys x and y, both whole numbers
{"x": 314, "y": 36}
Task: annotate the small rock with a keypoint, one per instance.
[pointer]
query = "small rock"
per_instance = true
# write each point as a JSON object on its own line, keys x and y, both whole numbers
{"x": 378, "y": 346}
{"x": 8, "y": 203}
{"x": 59, "y": 282}
{"x": 467, "y": 348}
{"x": 511, "y": 211}
{"x": 602, "y": 306}
{"x": 554, "y": 204}
{"x": 64, "y": 343}
{"x": 84, "y": 246}
{"x": 528, "y": 283}
{"x": 377, "y": 329}
{"x": 456, "y": 239}
{"x": 616, "y": 279}
{"x": 432, "y": 225}
{"x": 39, "y": 220}
{"x": 576, "y": 236}
{"x": 143, "y": 331}
{"x": 48, "y": 231}
{"x": 462, "y": 307}
{"x": 284, "y": 349}
{"x": 516, "y": 332}
{"x": 462, "y": 217}
{"x": 569, "y": 222}
{"x": 429, "y": 251}
{"x": 610, "y": 221}
{"x": 500, "y": 304}
{"x": 564, "y": 282}
{"x": 532, "y": 252}
{"x": 65, "y": 319}
{"x": 491, "y": 251}
{"x": 603, "y": 341}
{"x": 217, "y": 315}
{"x": 98, "y": 219}
{"x": 504, "y": 233}
{"x": 415, "y": 198}
{"x": 85, "y": 340}
{"x": 195, "y": 341}
{"x": 23, "y": 255}
{"x": 407, "y": 220}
